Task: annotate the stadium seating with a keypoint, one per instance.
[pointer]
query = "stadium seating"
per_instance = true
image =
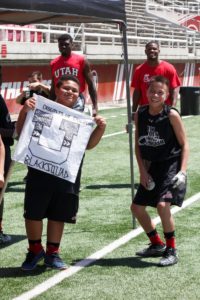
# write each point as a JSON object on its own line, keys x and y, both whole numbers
{"x": 146, "y": 20}
{"x": 175, "y": 11}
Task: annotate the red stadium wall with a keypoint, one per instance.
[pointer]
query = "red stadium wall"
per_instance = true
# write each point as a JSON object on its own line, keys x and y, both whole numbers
{"x": 109, "y": 80}
{"x": 192, "y": 23}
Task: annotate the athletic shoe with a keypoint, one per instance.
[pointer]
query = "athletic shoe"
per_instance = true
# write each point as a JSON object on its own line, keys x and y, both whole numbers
{"x": 54, "y": 261}
{"x": 32, "y": 260}
{"x": 4, "y": 238}
{"x": 169, "y": 257}
{"x": 154, "y": 250}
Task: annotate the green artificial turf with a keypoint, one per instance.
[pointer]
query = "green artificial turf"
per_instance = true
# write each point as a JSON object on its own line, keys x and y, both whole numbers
{"x": 104, "y": 216}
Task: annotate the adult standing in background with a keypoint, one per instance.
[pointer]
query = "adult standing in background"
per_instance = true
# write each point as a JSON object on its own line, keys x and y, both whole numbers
{"x": 71, "y": 63}
{"x": 151, "y": 67}
{"x": 6, "y": 131}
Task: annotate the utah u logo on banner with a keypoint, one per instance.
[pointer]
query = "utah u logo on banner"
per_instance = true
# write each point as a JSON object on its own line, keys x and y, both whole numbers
{"x": 42, "y": 139}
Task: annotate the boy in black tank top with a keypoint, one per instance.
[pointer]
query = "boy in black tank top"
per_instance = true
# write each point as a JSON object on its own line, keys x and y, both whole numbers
{"x": 162, "y": 153}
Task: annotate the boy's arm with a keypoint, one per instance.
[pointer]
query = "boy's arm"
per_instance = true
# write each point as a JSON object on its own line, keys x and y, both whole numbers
{"x": 179, "y": 131}
{"x": 2, "y": 161}
{"x": 91, "y": 87}
{"x": 39, "y": 85}
{"x": 7, "y": 132}
{"x": 20, "y": 97}
{"x": 7, "y": 126}
{"x": 135, "y": 101}
{"x": 52, "y": 94}
{"x": 174, "y": 95}
{"x": 97, "y": 133}
{"x": 28, "y": 105}
{"x": 144, "y": 176}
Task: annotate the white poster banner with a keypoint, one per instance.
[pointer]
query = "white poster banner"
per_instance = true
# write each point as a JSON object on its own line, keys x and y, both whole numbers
{"x": 54, "y": 139}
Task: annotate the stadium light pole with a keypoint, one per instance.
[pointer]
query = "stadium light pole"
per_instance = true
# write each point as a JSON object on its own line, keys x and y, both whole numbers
{"x": 129, "y": 112}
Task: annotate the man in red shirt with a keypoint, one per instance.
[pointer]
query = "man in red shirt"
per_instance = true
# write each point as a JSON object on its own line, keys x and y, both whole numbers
{"x": 152, "y": 67}
{"x": 71, "y": 63}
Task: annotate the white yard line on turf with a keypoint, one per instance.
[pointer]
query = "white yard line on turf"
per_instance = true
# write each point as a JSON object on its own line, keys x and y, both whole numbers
{"x": 116, "y": 133}
{"x": 124, "y": 131}
{"x": 112, "y": 134}
{"x": 49, "y": 283}
{"x": 186, "y": 117}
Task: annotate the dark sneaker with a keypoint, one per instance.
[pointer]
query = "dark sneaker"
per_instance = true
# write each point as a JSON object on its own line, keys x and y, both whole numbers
{"x": 54, "y": 261}
{"x": 154, "y": 250}
{"x": 4, "y": 238}
{"x": 169, "y": 258}
{"x": 32, "y": 260}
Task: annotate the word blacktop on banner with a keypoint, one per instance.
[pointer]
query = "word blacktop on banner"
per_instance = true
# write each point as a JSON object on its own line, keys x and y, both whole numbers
{"x": 54, "y": 139}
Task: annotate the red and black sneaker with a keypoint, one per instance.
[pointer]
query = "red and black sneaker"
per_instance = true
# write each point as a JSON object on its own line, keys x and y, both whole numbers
{"x": 154, "y": 250}
{"x": 169, "y": 257}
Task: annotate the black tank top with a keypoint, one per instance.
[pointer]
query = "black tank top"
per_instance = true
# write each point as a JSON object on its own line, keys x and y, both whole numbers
{"x": 5, "y": 122}
{"x": 156, "y": 137}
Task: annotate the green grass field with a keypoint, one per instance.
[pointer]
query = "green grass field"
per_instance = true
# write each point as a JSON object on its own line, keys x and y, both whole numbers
{"x": 104, "y": 216}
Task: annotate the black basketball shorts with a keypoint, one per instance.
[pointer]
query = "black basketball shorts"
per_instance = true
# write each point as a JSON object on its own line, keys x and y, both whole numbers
{"x": 46, "y": 196}
{"x": 162, "y": 174}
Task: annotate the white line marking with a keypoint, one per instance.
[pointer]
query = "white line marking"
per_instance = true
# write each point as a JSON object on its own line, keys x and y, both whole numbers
{"x": 120, "y": 82}
{"x": 124, "y": 131}
{"x": 185, "y": 117}
{"x": 116, "y": 83}
{"x": 116, "y": 133}
{"x": 112, "y": 134}
{"x": 57, "y": 278}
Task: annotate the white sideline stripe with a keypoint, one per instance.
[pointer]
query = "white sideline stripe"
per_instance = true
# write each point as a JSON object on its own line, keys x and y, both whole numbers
{"x": 116, "y": 133}
{"x": 49, "y": 283}
{"x": 186, "y": 117}
{"x": 112, "y": 134}
{"x": 124, "y": 131}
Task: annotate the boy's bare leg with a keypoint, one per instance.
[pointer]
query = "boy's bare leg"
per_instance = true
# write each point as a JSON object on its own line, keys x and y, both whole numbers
{"x": 170, "y": 255}
{"x": 34, "y": 229}
{"x": 54, "y": 231}
{"x": 143, "y": 217}
{"x": 167, "y": 220}
{"x": 157, "y": 246}
{"x": 54, "y": 235}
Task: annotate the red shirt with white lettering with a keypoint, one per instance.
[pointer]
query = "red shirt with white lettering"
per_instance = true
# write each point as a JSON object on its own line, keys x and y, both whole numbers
{"x": 143, "y": 74}
{"x": 71, "y": 65}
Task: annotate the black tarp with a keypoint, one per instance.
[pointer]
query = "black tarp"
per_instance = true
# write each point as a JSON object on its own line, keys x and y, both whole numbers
{"x": 23, "y": 12}
{"x": 34, "y": 11}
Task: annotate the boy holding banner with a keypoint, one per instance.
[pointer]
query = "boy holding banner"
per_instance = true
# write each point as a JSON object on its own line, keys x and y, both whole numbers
{"x": 51, "y": 197}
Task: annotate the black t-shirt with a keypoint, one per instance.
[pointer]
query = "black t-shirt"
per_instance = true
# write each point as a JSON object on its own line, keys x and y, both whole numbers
{"x": 5, "y": 122}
